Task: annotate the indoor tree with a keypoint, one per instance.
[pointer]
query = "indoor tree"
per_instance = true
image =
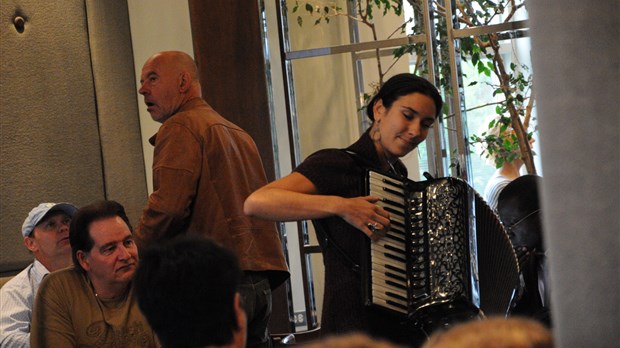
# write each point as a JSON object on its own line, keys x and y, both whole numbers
{"x": 514, "y": 86}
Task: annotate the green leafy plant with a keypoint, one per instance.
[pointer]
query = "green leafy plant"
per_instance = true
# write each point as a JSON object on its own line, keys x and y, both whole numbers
{"x": 514, "y": 84}
{"x": 499, "y": 142}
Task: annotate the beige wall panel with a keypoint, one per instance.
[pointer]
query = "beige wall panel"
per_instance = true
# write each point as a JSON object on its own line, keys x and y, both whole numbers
{"x": 69, "y": 130}
{"x": 117, "y": 108}
{"x": 49, "y": 140}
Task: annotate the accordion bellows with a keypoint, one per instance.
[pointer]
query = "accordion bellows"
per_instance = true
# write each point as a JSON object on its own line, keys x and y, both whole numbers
{"x": 446, "y": 256}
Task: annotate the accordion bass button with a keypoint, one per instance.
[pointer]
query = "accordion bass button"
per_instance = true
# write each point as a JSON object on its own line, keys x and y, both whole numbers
{"x": 419, "y": 284}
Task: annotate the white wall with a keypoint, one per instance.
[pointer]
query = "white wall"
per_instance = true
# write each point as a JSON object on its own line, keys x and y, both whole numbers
{"x": 156, "y": 25}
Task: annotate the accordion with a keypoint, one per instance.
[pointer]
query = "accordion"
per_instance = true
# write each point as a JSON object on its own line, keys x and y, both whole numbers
{"x": 446, "y": 256}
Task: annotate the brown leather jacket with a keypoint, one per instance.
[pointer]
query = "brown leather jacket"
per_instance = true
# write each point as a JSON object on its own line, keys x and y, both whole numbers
{"x": 204, "y": 167}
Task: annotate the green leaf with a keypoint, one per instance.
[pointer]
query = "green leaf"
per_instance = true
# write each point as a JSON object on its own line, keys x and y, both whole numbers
{"x": 300, "y": 20}
{"x": 500, "y": 162}
{"x": 309, "y": 8}
{"x": 318, "y": 21}
{"x": 475, "y": 58}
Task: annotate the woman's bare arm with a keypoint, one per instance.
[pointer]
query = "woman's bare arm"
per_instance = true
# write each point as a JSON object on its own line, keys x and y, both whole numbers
{"x": 294, "y": 197}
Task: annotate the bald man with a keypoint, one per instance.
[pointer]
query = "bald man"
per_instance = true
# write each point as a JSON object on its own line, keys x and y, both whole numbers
{"x": 204, "y": 167}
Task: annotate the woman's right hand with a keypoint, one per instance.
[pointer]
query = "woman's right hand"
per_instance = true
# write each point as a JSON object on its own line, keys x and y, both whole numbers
{"x": 363, "y": 214}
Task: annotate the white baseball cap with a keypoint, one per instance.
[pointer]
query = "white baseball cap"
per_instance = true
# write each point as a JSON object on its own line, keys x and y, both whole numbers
{"x": 39, "y": 212}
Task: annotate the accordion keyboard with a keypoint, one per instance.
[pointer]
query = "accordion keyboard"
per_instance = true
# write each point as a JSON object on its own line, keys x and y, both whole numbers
{"x": 396, "y": 254}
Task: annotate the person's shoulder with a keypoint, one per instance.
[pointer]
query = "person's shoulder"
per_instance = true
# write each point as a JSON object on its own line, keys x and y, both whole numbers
{"x": 66, "y": 277}
{"x": 326, "y": 162}
{"x": 18, "y": 282}
{"x": 197, "y": 111}
{"x": 331, "y": 154}
{"x": 496, "y": 181}
{"x": 200, "y": 119}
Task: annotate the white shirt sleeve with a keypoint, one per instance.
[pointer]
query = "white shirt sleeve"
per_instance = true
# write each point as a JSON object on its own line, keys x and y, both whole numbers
{"x": 16, "y": 300}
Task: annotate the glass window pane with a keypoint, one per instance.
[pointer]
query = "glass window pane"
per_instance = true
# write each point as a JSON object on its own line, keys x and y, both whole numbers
{"x": 481, "y": 103}
{"x": 317, "y": 269}
{"x": 317, "y": 24}
{"x": 325, "y": 103}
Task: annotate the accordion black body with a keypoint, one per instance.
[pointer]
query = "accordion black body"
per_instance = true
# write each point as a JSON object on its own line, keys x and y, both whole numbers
{"x": 446, "y": 256}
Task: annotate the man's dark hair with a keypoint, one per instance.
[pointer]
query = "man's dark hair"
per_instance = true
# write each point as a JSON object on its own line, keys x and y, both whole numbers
{"x": 79, "y": 233}
{"x": 186, "y": 289}
{"x": 518, "y": 207}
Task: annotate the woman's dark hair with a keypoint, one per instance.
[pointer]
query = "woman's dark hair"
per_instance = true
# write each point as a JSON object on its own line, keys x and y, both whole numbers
{"x": 404, "y": 84}
{"x": 79, "y": 234}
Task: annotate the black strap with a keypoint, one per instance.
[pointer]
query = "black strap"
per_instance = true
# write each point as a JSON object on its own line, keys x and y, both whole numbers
{"x": 322, "y": 232}
{"x": 366, "y": 163}
{"x": 361, "y": 161}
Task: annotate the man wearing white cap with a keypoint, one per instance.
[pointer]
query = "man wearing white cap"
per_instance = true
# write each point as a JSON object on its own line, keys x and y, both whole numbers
{"x": 46, "y": 235}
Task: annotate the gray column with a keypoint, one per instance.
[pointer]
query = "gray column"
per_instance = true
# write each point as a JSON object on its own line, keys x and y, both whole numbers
{"x": 576, "y": 64}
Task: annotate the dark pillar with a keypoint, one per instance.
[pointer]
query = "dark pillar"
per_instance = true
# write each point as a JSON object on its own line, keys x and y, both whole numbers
{"x": 228, "y": 48}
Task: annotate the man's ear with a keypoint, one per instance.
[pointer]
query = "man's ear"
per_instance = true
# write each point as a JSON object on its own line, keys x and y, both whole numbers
{"x": 240, "y": 312}
{"x": 31, "y": 244}
{"x": 239, "y": 335}
{"x": 81, "y": 256}
{"x": 185, "y": 82}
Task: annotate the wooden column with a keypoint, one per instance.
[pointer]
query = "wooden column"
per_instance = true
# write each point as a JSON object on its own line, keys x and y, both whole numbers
{"x": 228, "y": 49}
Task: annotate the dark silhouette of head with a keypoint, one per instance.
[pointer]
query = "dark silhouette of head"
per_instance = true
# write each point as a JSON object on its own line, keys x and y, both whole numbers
{"x": 518, "y": 207}
{"x": 187, "y": 290}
